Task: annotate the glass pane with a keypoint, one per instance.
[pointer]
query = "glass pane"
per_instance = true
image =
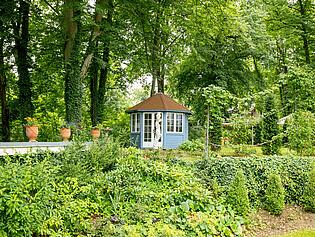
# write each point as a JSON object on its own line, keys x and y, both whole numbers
{"x": 138, "y": 123}
{"x": 179, "y": 122}
{"x": 170, "y": 122}
{"x": 147, "y": 127}
{"x": 132, "y": 122}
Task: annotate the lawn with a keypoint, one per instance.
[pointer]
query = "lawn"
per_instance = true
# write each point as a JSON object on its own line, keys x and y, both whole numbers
{"x": 303, "y": 233}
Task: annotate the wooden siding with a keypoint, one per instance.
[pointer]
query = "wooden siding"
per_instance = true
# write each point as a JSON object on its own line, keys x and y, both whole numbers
{"x": 170, "y": 140}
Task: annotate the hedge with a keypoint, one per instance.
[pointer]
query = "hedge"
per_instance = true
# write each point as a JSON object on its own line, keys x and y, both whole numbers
{"x": 292, "y": 170}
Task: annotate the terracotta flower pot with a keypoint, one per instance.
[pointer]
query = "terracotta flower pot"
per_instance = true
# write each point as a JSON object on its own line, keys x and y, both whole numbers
{"x": 31, "y": 133}
{"x": 96, "y": 133}
{"x": 65, "y": 134}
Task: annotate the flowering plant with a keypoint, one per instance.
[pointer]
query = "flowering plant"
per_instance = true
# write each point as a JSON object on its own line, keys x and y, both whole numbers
{"x": 30, "y": 121}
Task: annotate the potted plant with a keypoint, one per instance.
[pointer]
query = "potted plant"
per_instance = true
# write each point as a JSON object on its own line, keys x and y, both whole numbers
{"x": 65, "y": 133}
{"x": 31, "y": 129}
{"x": 95, "y": 132}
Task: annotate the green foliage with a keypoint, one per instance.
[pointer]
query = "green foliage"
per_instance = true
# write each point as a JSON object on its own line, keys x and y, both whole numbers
{"x": 237, "y": 194}
{"x": 309, "y": 192}
{"x": 301, "y": 132}
{"x": 275, "y": 195}
{"x": 258, "y": 133}
{"x": 215, "y": 131}
{"x": 299, "y": 87}
{"x": 216, "y": 100}
{"x": 192, "y": 145}
{"x": 241, "y": 132}
{"x": 293, "y": 172}
{"x": 105, "y": 190}
{"x": 272, "y": 141}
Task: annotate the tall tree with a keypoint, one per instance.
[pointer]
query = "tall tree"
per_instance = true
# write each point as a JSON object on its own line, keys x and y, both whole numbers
{"x": 100, "y": 63}
{"x": 21, "y": 36}
{"x": 5, "y": 122}
{"x": 157, "y": 27}
{"x": 73, "y": 82}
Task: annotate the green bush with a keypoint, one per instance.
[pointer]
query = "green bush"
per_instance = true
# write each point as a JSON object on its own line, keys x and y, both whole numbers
{"x": 301, "y": 132}
{"x": 275, "y": 194}
{"x": 309, "y": 193}
{"x": 271, "y": 139}
{"x": 237, "y": 195}
{"x": 192, "y": 145}
{"x": 293, "y": 172}
{"x": 105, "y": 190}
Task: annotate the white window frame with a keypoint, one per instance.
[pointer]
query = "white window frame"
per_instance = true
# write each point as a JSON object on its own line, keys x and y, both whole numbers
{"x": 151, "y": 143}
{"x": 175, "y": 119}
{"x": 135, "y": 123}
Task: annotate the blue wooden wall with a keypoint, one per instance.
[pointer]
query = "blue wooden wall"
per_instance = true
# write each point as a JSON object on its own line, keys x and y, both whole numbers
{"x": 171, "y": 140}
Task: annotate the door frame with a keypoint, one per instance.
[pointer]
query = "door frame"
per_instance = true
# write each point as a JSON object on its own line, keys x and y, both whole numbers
{"x": 151, "y": 144}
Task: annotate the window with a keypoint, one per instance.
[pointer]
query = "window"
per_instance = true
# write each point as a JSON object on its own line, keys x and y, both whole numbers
{"x": 135, "y": 122}
{"x": 147, "y": 127}
{"x": 174, "y": 122}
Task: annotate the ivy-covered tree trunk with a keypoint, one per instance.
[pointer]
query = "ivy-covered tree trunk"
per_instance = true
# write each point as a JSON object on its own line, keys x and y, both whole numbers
{"x": 5, "y": 129}
{"x": 73, "y": 82}
{"x": 272, "y": 143}
{"x": 21, "y": 35}
{"x": 101, "y": 71}
{"x": 304, "y": 32}
{"x": 93, "y": 89}
{"x": 103, "y": 80}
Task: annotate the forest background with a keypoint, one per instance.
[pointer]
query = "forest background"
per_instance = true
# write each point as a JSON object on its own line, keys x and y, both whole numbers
{"x": 72, "y": 62}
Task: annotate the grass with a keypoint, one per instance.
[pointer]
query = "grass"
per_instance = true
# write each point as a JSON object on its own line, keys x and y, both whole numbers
{"x": 255, "y": 150}
{"x": 302, "y": 233}
{"x": 226, "y": 150}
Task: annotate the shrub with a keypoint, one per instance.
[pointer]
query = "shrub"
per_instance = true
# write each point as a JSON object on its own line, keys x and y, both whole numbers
{"x": 241, "y": 132}
{"x": 274, "y": 197}
{"x": 301, "y": 132}
{"x": 82, "y": 191}
{"x": 309, "y": 193}
{"x": 237, "y": 195}
{"x": 192, "y": 145}
{"x": 270, "y": 128}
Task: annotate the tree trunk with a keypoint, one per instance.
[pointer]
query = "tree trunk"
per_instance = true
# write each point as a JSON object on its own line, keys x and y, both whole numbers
{"x": 155, "y": 55}
{"x": 304, "y": 33}
{"x": 73, "y": 82}
{"x": 3, "y": 95}
{"x": 21, "y": 34}
{"x": 105, "y": 64}
{"x": 99, "y": 6}
{"x": 93, "y": 89}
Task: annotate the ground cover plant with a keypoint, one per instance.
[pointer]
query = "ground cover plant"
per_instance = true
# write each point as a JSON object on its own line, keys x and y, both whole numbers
{"x": 107, "y": 191}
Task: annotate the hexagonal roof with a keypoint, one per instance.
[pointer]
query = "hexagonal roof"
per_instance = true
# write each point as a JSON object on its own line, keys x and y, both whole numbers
{"x": 159, "y": 102}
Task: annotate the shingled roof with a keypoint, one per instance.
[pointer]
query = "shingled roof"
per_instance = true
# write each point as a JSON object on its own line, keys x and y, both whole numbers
{"x": 159, "y": 102}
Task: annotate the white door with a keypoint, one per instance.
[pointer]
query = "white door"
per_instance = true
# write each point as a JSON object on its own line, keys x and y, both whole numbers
{"x": 152, "y": 130}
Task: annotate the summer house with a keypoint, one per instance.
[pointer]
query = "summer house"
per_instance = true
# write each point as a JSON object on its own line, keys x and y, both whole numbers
{"x": 158, "y": 122}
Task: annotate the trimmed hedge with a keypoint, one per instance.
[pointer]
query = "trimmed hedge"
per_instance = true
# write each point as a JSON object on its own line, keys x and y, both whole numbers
{"x": 292, "y": 170}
